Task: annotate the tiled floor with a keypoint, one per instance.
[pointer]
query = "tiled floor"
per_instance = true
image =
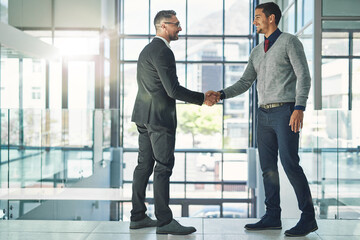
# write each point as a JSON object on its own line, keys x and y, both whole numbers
{"x": 207, "y": 229}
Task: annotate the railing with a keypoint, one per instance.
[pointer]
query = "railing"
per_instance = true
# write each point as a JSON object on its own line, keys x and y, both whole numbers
{"x": 65, "y": 149}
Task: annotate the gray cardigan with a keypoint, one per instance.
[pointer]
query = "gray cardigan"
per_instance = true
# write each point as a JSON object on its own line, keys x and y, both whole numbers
{"x": 282, "y": 73}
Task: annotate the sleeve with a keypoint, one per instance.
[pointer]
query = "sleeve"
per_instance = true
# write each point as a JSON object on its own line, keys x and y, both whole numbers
{"x": 166, "y": 68}
{"x": 296, "y": 54}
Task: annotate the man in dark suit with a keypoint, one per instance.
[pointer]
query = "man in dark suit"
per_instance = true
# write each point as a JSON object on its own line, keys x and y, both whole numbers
{"x": 155, "y": 117}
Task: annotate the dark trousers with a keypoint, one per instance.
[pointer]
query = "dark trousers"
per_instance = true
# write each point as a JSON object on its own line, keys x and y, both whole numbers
{"x": 274, "y": 135}
{"x": 156, "y": 145}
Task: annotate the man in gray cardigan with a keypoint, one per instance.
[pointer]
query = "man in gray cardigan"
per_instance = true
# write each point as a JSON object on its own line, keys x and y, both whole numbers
{"x": 283, "y": 83}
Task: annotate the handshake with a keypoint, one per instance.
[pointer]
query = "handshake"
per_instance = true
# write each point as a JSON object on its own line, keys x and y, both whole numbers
{"x": 211, "y": 98}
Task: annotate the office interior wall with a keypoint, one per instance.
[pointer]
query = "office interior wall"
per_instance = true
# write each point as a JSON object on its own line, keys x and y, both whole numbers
{"x": 60, "y": 13}
{"x": 30, "y": 13}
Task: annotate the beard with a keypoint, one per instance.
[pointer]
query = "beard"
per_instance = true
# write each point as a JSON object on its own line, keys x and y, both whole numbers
{"x": 259, "y": 30}
{"x": 174, "y": 36}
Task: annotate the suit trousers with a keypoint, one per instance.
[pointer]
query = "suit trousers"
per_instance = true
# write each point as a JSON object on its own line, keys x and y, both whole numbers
{"x": 156, "y": 147}
{"x": 274, "y": 135}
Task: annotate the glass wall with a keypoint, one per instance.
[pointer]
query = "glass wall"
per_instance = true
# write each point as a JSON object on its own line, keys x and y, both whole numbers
{"x": 61, "y": 151}
{"x": 12, "y": 68}
{"x": 339, "y": 65}
{"x": 36, "y": 165}
{"x": 211, "y": 54}
{"x": 56, "y": 136}
{"x": 340, "y": 70}
{"x": 329, "y": 157}
{"x": 43, "y": 144}
{"x": 42, "y": 154}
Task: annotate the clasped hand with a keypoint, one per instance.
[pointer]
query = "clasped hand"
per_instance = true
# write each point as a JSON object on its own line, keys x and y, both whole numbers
{"x": 211, "y": 98}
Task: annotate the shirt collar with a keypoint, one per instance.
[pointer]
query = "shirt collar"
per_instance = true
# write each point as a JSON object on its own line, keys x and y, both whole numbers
{"x": 165, "y": 41}
{"x": 272, "y": 38}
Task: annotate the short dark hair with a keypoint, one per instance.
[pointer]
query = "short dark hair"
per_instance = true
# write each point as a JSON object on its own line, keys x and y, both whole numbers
{"x": 164, "y": 14}
{"x": 270, "y": 8}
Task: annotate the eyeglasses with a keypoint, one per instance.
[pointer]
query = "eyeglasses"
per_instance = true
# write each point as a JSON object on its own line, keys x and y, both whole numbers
{"x": 177, "y": 24}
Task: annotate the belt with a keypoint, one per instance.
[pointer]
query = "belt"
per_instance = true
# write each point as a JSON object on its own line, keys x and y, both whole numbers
{"x": 271, "y": 105}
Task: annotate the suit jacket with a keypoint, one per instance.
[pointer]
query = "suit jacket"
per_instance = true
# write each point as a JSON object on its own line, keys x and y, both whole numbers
{"x": 158, "y": 87}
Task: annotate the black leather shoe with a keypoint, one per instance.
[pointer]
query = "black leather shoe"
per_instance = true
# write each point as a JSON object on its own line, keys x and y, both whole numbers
{"x": 266, "y": 223}
{"x": 175, "y": 228}
{"x": 146, "y": 222}
{"x": 302, "y": 228}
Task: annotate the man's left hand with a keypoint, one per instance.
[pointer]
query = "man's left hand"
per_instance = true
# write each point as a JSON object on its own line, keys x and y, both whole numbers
{"x": 296, "y": 120}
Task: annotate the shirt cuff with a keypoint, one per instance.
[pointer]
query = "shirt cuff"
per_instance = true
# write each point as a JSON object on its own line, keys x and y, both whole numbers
{"x": 298, "y": 107}
{"x": 222, "y": 95}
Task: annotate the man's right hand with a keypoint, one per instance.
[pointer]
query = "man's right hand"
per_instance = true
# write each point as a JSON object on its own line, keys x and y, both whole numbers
{"x": 211, "y": 98}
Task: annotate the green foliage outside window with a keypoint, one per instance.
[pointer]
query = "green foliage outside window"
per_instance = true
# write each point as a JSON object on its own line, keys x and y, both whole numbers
{"x": 199, "y": 120}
